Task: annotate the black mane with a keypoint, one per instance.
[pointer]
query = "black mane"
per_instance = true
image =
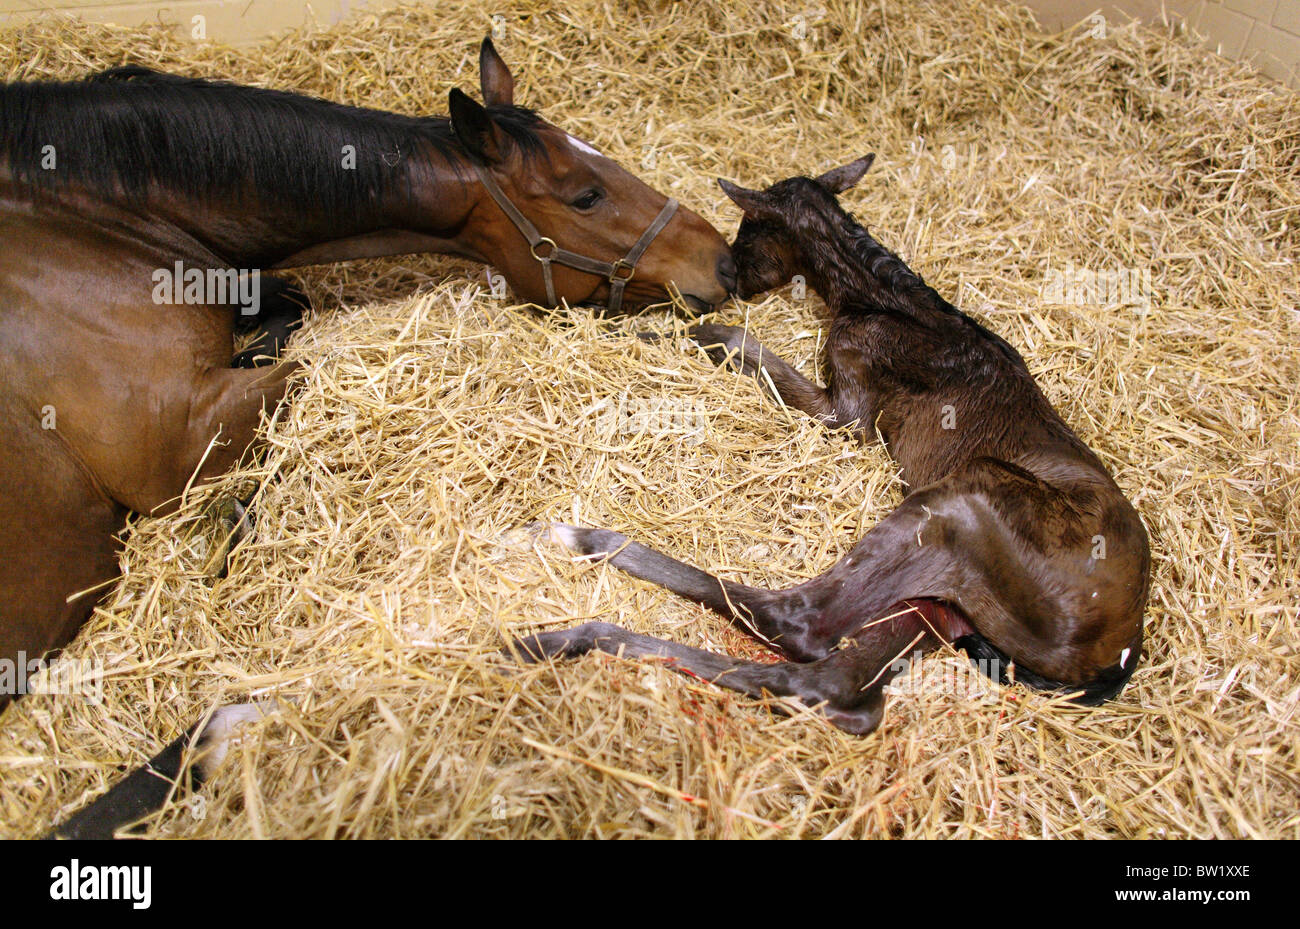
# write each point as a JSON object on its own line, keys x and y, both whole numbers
{"x": 126, "y": 131}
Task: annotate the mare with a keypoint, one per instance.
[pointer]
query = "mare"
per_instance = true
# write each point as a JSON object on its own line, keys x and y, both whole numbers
{"x": 137, "y": 211}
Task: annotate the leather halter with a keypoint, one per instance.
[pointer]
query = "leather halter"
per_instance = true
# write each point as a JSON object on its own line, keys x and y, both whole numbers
{"x": 618, "y": 273}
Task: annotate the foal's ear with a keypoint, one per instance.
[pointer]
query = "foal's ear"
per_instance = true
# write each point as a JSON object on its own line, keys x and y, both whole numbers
{"x": 753, "y": 202}
{"x": 474, "y": 128}
{"x": 838, "y": 180}
{"x": 497, "y": 82}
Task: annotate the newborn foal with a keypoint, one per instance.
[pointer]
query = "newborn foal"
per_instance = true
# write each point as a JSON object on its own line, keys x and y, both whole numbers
{"x": 1013, "y": 542}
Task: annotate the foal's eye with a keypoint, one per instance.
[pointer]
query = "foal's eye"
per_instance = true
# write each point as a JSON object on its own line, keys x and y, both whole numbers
{"x": 588, "y": 199}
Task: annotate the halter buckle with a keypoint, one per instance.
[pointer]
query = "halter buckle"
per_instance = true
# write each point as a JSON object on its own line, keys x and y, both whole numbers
{"x": 550, "y": 243}
{"x": 621, "y": 264}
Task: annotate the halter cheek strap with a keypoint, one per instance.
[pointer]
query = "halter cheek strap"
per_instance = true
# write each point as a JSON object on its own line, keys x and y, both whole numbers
{"x": 618, "y": 273}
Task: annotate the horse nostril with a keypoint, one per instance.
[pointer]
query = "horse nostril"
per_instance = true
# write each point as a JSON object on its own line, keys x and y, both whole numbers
{"x": 727, "y": 273}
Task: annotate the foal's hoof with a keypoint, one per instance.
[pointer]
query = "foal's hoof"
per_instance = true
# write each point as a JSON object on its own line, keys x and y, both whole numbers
{"x": 863, "y": 718}
{"x": 721, "y": 343}
{"x": 581, "y": 540}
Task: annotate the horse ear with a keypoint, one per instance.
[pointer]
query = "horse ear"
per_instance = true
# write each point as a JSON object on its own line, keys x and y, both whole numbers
{"x": 474, "y": 128}
{"x": 497, "y": 82}
{"x": 753, "y": 202}
{"x": 838, "y": 180}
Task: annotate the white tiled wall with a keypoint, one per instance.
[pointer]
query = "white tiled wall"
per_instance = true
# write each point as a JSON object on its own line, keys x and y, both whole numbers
{"x": 1266, "y": 32}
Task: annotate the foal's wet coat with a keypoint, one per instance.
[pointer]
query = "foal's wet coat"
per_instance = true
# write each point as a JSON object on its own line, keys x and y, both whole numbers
{"x": 1012, "y": 542}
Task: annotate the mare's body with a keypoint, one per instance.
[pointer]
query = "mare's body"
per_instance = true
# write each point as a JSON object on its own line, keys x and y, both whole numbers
{"x": 111, "y": 403}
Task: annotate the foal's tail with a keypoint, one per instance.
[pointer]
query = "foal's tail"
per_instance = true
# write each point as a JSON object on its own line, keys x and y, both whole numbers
{"x": 1104, "y": 686}
{"x": 188, "y": 761}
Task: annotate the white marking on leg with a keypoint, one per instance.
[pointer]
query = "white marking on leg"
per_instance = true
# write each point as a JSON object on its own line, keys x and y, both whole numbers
{"x": 565, "y": 535}
{"x": 1123, "y": 657}
{"x": 221, "y": 731}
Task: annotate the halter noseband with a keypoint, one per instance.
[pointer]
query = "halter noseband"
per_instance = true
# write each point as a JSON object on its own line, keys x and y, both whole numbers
{"x": 618, "y": 273}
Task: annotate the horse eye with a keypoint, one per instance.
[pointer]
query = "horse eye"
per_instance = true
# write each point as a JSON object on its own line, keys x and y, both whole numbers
{"x": 588, "y": 199}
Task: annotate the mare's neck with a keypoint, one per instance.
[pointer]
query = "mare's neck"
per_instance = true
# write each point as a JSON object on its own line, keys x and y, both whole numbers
{"x": 254, "y": 177}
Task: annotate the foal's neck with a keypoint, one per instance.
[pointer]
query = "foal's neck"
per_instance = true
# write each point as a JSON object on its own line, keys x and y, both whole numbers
{"x": 855, "y": 274}
{"x": 1003, "y": 412}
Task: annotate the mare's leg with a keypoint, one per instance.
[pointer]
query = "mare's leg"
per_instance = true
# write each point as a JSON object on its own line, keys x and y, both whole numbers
{"x": 225, "y": 409}
{"x": 282, "y": 306}
{"x": 234, "y": 524}
{"x": 188, "y": 761}
{"x": 231, "y": 409}
{"x": 60, "y": 546}
{"x": 229, "y": 403}
{"x": 847, "y": 684}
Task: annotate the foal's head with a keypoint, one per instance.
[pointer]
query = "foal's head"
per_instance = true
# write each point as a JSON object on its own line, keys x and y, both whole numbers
{"x": 581, "y": 200}
{"x": 785, "y": 220}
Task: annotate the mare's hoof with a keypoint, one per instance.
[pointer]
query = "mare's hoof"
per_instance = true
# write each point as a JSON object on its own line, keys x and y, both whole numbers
{"x": 232, "y": 525}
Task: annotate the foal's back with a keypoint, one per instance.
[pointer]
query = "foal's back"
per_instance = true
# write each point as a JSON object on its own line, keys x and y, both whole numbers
{"x": 943, "y": 390}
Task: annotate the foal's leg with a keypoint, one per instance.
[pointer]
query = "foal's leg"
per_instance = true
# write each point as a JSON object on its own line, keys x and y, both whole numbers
{"x": 848, "y": 683}
{"x": 776, "y": 618}
{"x": 908, "y": 554}
{"x": 735, "y": 345}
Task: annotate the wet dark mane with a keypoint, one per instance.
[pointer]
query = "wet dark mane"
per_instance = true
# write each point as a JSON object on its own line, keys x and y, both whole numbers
{"x": 876, "y": 277}
{"x": 126, "y": 131}
{"x": 817, "y": 218}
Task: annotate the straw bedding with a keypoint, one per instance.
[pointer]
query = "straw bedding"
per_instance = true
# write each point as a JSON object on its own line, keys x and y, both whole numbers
{"x": 434, "y": 421}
